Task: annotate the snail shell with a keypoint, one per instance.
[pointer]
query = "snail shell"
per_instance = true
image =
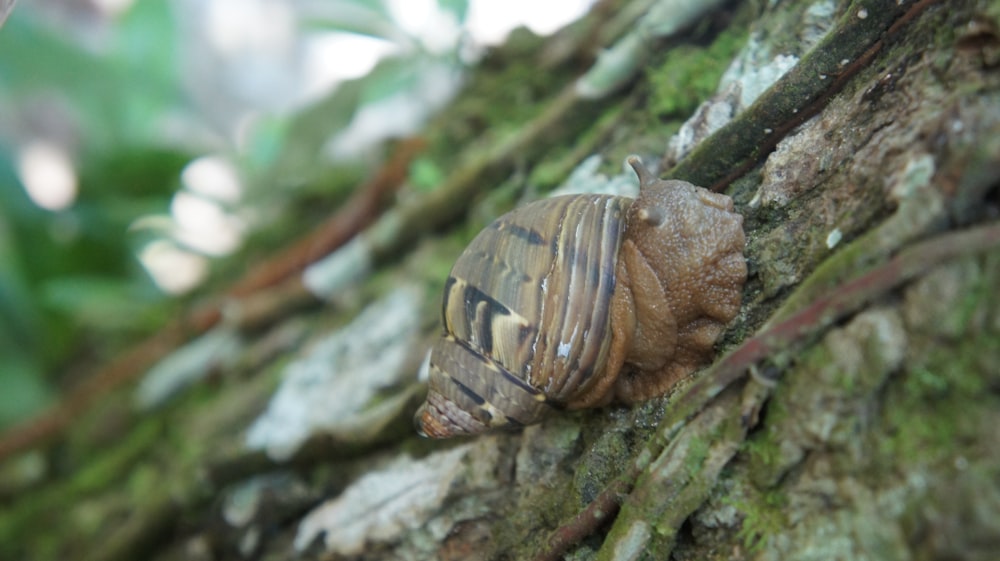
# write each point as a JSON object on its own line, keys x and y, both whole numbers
{"x": 579, "y": 300}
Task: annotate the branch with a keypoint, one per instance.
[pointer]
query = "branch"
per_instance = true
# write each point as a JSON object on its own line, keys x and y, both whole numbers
{"x": 800, "y": 94}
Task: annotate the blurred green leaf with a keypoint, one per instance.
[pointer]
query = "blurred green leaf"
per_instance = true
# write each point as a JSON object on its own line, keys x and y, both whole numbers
{"x": 425, "y": 174}
{"x": 96, "y": 301}
{"x": 20, "y": 326}
{"x": 264, "y": 143}
{"x": 309, "y": 130}
{"x": 314, "y": 126}
{"x": 115, "y": 101}
{"x": 458, "y": 7}
{"x": 117, "y": 98}
{"x": 24, "y": 392}
{"x": 393, "y": 75}
{"x": 364, "y": 17}
{"x": 70, "y": 279}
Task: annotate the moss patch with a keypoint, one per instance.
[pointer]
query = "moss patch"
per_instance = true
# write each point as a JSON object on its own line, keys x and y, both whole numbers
{"x": 689, "y": 74}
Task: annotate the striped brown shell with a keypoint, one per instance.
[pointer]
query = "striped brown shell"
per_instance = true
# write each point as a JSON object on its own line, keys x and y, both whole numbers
{"x": 574, "y": 301}
{"x": 550, "y": 263}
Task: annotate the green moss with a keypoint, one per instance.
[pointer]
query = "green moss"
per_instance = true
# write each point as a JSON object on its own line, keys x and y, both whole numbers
{"x": 979, "y": 295}
{"x": 762, "y": 452}
{"x": 425, "y": 174}
{"x": 763, "y": 516}
{"x": 922, "y": 381}
{"x": 697, "y": 452}
{"x": 600, "y": 464}
{"x": 540, "y": 514}
{"x": 764, "y": 446}
{"x": 942, "y": 396}
{"x": 689, "y": 74}
{"x": 60, "y": 507}
{"x": 110, "y": 466}
{"x": 934, "y": 409}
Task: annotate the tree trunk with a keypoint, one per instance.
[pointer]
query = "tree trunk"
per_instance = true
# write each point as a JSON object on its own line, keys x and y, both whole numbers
{"x": 852, "y": 411}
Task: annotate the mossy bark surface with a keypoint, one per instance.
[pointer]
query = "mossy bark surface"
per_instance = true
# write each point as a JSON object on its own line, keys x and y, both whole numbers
{"x": 875, "y": 437}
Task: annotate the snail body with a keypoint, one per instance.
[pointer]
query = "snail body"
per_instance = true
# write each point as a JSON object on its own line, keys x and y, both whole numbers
{"x": 580, "y": 300}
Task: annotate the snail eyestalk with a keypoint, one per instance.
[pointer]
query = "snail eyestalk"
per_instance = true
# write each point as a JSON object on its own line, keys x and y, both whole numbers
{"x": 645, "y": 176}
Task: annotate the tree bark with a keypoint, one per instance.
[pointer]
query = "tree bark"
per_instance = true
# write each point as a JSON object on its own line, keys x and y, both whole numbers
{"x": 851, "y": 413}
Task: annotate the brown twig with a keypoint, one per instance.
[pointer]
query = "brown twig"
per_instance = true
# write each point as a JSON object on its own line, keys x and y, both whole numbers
{"x": 603, "y": 508}
{"x": 355, "y": 215}
{"x": 800, "y": 327}
{"x": 50, "y": 422}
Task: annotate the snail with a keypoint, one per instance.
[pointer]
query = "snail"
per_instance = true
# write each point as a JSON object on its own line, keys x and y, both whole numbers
{"x": 580, "y": 300}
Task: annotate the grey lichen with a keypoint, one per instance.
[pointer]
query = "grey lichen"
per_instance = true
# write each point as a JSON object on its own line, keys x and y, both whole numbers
{"x": 741, "y": 84}
{"x": 830, "y": 391}
{"x": 881, "y": 442}
{"x": 334, "y": 387}
{"x": 216, "y": 349}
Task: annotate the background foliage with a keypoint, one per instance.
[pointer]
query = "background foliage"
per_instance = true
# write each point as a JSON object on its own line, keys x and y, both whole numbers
{"x": 130, "y": 98}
